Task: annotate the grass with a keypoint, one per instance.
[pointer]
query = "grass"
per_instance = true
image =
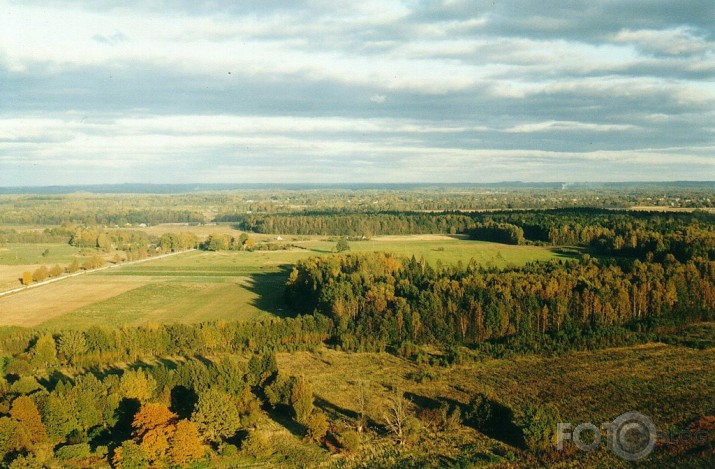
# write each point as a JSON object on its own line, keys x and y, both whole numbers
{"x": 29, "y": 254}
{"x": 672, "y": 385}
{"x": 167, "y": 302}
{"x": 204, "y": 286}
{"x": 16, "y": 258}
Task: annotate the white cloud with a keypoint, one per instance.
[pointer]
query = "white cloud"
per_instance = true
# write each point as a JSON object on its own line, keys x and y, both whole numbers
{"x": 566, "y": 126}
{"x": 675, "y": 42}
{"x": 453, "y": 86}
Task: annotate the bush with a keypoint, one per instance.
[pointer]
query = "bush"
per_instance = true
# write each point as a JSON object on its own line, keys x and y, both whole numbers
{"x": 316, "y": 426}
{"x": 481, "y": 412}
{"x": 229, "y": 451}
{"x": 25, "y": 385}
{"x": 538, "y": 426}
{"x": 422, "y": 375}
{"x": 257, "y": 445}
{"x": 101, "y": 451}
{"x": 25, "y": 462}
{"x": 349, "y": 440}
{"x": 78, "y": 451}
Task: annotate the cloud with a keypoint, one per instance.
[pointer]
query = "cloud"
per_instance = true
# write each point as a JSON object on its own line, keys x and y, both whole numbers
{"x": 276, "y": 89}
{"x": 111, "y": 40}
{"x": 670, "y": 42}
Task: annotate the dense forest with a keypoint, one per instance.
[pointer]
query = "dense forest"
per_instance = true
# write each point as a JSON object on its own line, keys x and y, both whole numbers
{"x": 380, "y": 300}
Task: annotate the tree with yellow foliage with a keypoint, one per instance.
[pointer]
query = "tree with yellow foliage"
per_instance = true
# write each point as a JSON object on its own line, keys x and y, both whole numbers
{"x": 26, "y": 278}
{"x": 186, "y": 444}
{"x": 24, "y": 411}
{"x": 154, "y": 427}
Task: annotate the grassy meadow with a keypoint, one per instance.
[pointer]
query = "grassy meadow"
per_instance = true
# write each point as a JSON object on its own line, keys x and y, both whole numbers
{"x": 16, "y": 258}
{"x": 204, "y": 286}
{"x": 671, "y": 383}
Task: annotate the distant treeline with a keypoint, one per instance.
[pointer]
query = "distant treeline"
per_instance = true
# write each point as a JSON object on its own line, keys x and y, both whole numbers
{"x": 48, "y": 235}
{"x": 634, "y": 234}
{"x": 155, "y": 207}
{"x": 377, "y": 300}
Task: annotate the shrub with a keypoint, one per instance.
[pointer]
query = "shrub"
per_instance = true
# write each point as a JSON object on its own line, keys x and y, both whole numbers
{"x": 257, "y": 445}
{"x": 78, "y": 451}
{"x": 229, "y": 451}
{"x": 349, "y": 440}
{"x": 538, "y": 426}
{"x": 487, "y": 415}
{"x": 316, "y": 426}
{"x": 25, "y": 462}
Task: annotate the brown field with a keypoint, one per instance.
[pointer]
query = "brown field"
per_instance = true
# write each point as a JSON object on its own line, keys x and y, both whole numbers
{"x": 10, "y": 275}
{"x": 202, "y": 231}
{"x": 37, "y": 305}
{"x": 657, "y": 208}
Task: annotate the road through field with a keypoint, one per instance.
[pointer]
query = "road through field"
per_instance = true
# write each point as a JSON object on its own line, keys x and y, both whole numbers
{"x": 84, "y": 272}
{"x": 31, "y": 305}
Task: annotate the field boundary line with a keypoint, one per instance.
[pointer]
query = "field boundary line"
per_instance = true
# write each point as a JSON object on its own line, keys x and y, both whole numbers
{"x": 85, "y": 272}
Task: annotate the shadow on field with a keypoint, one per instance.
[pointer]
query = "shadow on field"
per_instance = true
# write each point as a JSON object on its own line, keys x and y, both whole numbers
{"x": 336, "y": 412}
{"x": 269, "y": 288}
{"x": 502, "y": 427}
{"x": 333, "y": 411}
{"x": 568, "y": 252}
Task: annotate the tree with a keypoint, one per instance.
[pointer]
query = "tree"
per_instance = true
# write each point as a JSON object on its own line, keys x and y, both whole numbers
{"x": 130, "y": 456}
{"x": 40, "y": 274}
{"x": 13, "y": 437}
{"x": 60, "y": 417}
{"x": 56, "y": 271}
{"x": 25, "y": 412}
{"x": 362, "y": 406}
{"x": 538, "y": 425}
{"x": 186, "y": 444}
{"x": 342, "y": 245}
{"x": 262, "y": 367}
{"x": 28, "y": 461}
{"x": 218, "y": 242}
{"x": 216, "y": 416}
{"x": 153, "y": 428}
{"x": 44, "y": 353}
{"x": 483, "y": 413}
{"x": 72, "y": 344}
{"x": 317, "y": 426}
{"x": 397, "y": 417}
{"x": 26, "y": 278}
{"x": 136, "y": 384}
{"x": 301, "y": 399}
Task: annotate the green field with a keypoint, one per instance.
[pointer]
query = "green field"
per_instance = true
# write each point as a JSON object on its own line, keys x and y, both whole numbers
{"x": 206, "y": 286}
{"x": 44, "y": 253}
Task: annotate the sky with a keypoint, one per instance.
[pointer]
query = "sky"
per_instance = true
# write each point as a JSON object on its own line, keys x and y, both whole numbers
{"x": 333, "y": 91}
